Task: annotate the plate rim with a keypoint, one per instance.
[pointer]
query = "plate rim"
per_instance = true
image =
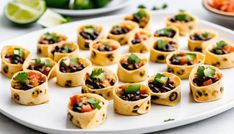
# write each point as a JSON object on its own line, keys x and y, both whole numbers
{"x": 151, "y": 128}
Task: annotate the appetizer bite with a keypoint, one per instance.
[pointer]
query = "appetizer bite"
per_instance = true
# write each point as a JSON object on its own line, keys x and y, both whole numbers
{"x": 122, "y": 32}
{"x": 183, "y": 21}
{"x": 43, "y": 65}
{"x": 161, "y": 48}
{"x": 132, "y": 67}
{"x": 63, "y": 49}
{"x": 100, "y": 81}
{"x": 168, "y": 32}
{"x": 140, "y": 41}
{"x": 71, "y": 70}
{"x": 104, "y": 52}
{"x": 89, "y": 33}
{"x": 29, "y": 88}
{"x": 13, "y": 58}
{"x": 220, "y": 54}
{"x": 181, "y": 63}
{"x": 132, "y": 99}
{"x": 206, "y": 83}
{"x": 47, "y": 41}
{"x": 165, "y": 89}
{"x": 199, "y": 39}
{"x": 142, "y": 17}
{"x": 87, "y": 111}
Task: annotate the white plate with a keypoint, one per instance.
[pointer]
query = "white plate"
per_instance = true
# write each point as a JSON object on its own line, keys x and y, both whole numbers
{"x": 52, "y": 117}
{"x": 112, "y": 6}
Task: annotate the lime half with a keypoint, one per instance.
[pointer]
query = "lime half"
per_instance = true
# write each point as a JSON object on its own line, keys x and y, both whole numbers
{"x": 25, "y": 11}
{"x": 50, "y": 19}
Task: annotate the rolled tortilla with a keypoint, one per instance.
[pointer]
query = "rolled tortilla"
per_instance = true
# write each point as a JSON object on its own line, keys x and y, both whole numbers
{"x": 198, "y": 45}
{"x": 170, "y": 98}
{"x": 104, "y": 58}
{"x": 206, "y": 93}
{"x": 89, "y": 120}
{"x": 220, "y": 61}
{"x": 83, "y": 43}
{"x": 138, "y": 107}
{"x": 43, "y": 50}
{"x": 72, "y": 79}
{"x": 160, "y": 56}
{"x": 180, "y": 70}
{"x": 184, "y": 27}
{"x": 144, "y": 45}
{"x": 133, "y": 76}
{"x": 7, "y": 68}
{"x": 52, "y": 72}
{"x": 144, "y": 24}
{"x": 34, "y": 96}
{"x": 57, "y": 56}
{"x": 123, "y": 38}
{"x": 106, "y": 92}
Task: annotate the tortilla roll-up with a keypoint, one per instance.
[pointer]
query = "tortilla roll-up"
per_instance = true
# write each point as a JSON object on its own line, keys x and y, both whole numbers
{"x": 165, "y": 89}
{"x": 87, "y": 111}
{"x": 47, "y": 41}
{"x": 142, "y": 17}
{"x": 132, "y": 68}
{"x": 183, "y": 21}
{"x": 122, "y": 32}
{"x": 199, "y": 38}
{"x": 101, "y": 81}
{"x": 220, "y": 54}
{"x": 181, "y": 63}
{"x": 162, "y": 47}
{"x": 43, "y": 65}
{"x": 104, "y": 52}
{"x": 89, "y": 33}
{"x": 13, "y": 58}
{"x": 29, "y": 88}
{"x": 140, "y": 41}
{"x": 71, "y": 71}
{"x": 63, "y": 49}
{"x": 206, "y": 83}
{"x": 168, "y": 32}
{"x": 132, "y": 99}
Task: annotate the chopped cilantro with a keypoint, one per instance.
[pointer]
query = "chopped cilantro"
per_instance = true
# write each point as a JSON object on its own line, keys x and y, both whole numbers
{"x": 51, "y": 36}
{"x": 22, "y": 77}
{"x": 140, "y": 14}
{"x": 98, "y": 74}
{"x": 183, "y": 17}
{"x": 94, "y": 102}
{"x": 132, "y": 88}
{"x": 221, "y": 44}
{"x": 66, "y": 49}
{"x": 164, "y": 31}
{"x": 141, "y": 6}
{"x": 190, "y": 56}
{"x": 134, "y": 59}
{"x": 205, "y": 34}
{"x": 161, "y": 44}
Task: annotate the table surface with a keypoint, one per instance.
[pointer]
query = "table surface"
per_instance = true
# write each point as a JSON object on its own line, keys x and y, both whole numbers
{"x": 222, "y": 123}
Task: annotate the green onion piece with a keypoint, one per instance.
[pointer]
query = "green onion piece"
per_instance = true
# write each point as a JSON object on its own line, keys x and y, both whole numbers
{"x": 132, "y": 89}
{"x": 134, "y": 59}
{"x": 66, "y": 49}
{"x": 94, "y": 102}
{"x": 209, "y": 72}
{"x": 47, "y": 63}
{"x": 205, "y": 34}
{"x": 190, "y": 56}
{"x": 74, "y": 60}
{"x": 164, "y": 31}
{"x": 160, "y": 78}
{"x": 66, "y": 61}
{"x": 221, "y": 44}
{"x": 98, "y": 74}
{"x": 140, "y": 14}
{"x": 89, "y": 29}
{"x": 161, "y": 44}
{"x": 22, "y": 77}
{"x": 51, "y": 36}
{"x": 19, "y": 52}
{"x": 37, "y": 61}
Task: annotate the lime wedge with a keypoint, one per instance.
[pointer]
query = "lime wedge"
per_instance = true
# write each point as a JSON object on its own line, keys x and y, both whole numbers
{"x": 24, "y": 11}
{"x": 50, "y": 19}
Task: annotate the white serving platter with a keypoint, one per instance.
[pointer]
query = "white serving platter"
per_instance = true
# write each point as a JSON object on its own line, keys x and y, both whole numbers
{"x": 52, "y": 117}
{"x": 112, "y": 6}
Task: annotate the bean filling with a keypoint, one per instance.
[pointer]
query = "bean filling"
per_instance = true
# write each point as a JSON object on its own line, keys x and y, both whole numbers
{"x": 222, "y": 48}
{"x": 117, "y": 30}
{"x": 132, "y": 93}
{"x": 106, "y": 47}
{"x": 138, "y": 38}
{"x": 201, "y": 37}
{"x": 165, "y": 46}
{"x": 183, "y": 59}
{"x": 17, "y": 57}
{"x": 63, "y": 49}
{"x": 165, "y": 32}
{"x": 89, "y": 33}
{"x": 161, "y": 84}
{"x": 49, "y": 38}
{"x": 71, "y": 65}
{"x": 43, "y": 66}
{"x": 133, "y": 62}
{"x": 181, "y": 18}
{"x": 99, "y": 79}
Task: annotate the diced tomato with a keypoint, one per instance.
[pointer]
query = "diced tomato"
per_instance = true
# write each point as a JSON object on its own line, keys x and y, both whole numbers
{"x": 218, "y": 76}
{"x": 208, "y": 82}
{"x": 143, "y": 91}
{"x": 123, "y": 87}
{"x": 181, "y": 54}
{"x": 228, "y": 48}
{"x": 183, "y": 61}
{"x": 114, "y": 47}
{"x": 141, "y": 64}
{"x": 73, "y": 100}
{"x": 86, "y": 108}
{"x": 138, "y": 35}
{"x": 46, "y": 70}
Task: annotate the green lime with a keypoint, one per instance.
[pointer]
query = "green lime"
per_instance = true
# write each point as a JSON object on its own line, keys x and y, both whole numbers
{"x": 58, "y": 3}
{"x": 24, "y": 11}
{"x": 83, "y": 4}
{"x": 50, "y": 19}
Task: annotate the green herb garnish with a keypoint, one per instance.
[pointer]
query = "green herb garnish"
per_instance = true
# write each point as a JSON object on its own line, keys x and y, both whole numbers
{"x": 155, "y": 8}
{"x": 205, "y": 71}
{"x": 183, "y": 17}
{"x": 164, "y": 31}
{"x": 132, "y": 89}
{"x": 164, "y": 6}
{"x": 140, "y": 14}
{"x": 89, "y": 29}
{"x": 134, "y": 59}
{"x": 47, "y": 63}
{"x": 141, "y": 6}
{"x": 205, "y": 34}
{"x": 161, "y": 44}
{"x": 69, "y": 61}
{"x": 39, "y": 62}
{"x": 94, "y": 102}
{"x": 98, "y": 74}
{"x": 221, "y": 44}
{"x": 22, "y": 77}
{"x": 51, "y": 36}
{"x": 200, "y": 71}
{"x": 160, "y": 78}
{"x": 66, "y": 61}
{"x": 19, "y": 52}
{"x": 190, "y": 56}
{"x": 66, "y": 49}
